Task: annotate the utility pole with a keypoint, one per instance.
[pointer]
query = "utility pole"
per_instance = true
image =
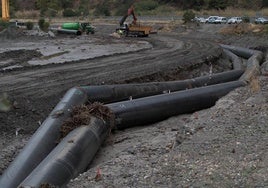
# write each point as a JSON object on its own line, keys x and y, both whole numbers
{"x": 5, "y": 10}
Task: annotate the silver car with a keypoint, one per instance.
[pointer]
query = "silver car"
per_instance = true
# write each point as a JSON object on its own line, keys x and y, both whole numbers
{"x": 234, "y": 20}
{"x": 261, "y": 20}
{"x": 221, "y": 20}
{"x": 211, "y": 19}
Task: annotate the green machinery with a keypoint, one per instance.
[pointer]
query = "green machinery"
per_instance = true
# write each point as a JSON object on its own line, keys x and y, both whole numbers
{"x": 77, "y": 28}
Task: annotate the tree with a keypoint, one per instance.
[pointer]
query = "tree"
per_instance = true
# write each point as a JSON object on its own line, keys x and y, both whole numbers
{"x": 217, "y": 4}
{"x": 265, "y": 3}
{"x": 188, "y": 16}
{"x": 66, "y": 4}
{"x": 192, "y": 4}
{"x": 25, "y": 4}
{"x": 103, "y": 9}
{"x": 146, "y": 5}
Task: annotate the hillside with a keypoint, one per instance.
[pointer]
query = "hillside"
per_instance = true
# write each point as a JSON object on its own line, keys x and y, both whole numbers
{"x": 67, "y": 8}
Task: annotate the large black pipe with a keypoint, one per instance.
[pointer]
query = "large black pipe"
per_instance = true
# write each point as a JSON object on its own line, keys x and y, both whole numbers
{"x": 37, "y": 149}
{"x": 39, "y": 146}
{"x": 71, "y": 157}
{"x": 254, "y": 57}
{"x": 155, "y": 108}
{"x": 76, "y": 151}
{"x": 68, "y": 31}
{"x": 236, "y": 61}
{"x": 114, "y": 93}
{"x": 240, "y": 51}
{"x": 43, "y": 141}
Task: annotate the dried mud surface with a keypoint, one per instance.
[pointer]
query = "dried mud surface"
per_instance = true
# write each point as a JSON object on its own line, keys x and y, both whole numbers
{"x": 224, "y": 146}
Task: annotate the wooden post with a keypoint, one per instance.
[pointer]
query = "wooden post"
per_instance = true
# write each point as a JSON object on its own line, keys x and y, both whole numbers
{"x": 5, "y": 10}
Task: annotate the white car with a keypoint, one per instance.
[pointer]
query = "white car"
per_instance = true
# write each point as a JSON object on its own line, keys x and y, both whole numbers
{"x": 202, "y": 20}
{"x": 199, "y": 19}
{"x": 220, "y": 20}
{"x": 234, "y": 20}
{"x": 261, "y": 20}
{"x": 211, "y": 19}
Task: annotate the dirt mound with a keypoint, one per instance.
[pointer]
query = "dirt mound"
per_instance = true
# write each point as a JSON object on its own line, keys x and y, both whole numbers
{"x": 243, "y": 28}
{"x": 17, "y": 57}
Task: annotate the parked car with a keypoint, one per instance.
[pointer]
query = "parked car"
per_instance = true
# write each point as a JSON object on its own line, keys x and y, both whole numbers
{"x": 220, "y": 20}
{"x": 234, "y": 20}
{"x": 196, "y": 19}
{"x": 211, "y": 19}
{"x": 261, "y": 20}
{"x": 199, "y": 19}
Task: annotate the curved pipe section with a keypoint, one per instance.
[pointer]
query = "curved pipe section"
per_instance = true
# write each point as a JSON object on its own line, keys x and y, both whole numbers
{"x": 43, "y": 141}
{"x": 253, "y": 63}
{"x": 71, "y": 157}
{"x": 237, "y": 61}
{"x": 39, "y": 146}
{"x": 156, "y": 108}
{"x": 240, "y": 51}
{"x": 76, "y": 151}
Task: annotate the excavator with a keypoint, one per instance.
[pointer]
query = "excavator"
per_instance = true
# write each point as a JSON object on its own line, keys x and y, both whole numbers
{"x": 133, "y": 29}
{"x": 5, "y": 10}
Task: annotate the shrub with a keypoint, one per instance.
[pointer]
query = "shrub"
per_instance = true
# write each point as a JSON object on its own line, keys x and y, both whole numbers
{"x": 51, "y": 13}
{"x": 29, "y": 25}
{"x": 3, "y": 25}
{"x": 217, "y": 4}
{"x": 266, "y": 29}
{"x": 41, "y": 22}
{"x": 30, "y": 14}
{"x": 46, "y": 26}
{"x": 43, "y": 25}
{"x": 102, "y": 9}
{"x": 83, "y": 11}
{"x": 246, "y": 19}
{"x": 146, "y": 5}
{"x": 69, "y": 13}
{"x": 188, "y": 16}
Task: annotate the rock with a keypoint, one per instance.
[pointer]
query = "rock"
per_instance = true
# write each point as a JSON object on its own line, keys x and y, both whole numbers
{"x": 264, "y": 68}
{"x": 51, "y": 34}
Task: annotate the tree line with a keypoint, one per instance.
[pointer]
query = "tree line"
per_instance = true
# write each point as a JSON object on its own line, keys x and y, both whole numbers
{"x": 118, "y": 7}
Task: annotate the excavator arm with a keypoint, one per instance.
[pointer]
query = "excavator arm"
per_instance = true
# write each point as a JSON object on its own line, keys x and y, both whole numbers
{"x": 5, "y": 10}
{"x": 133, "y": 29}
{"x": 129, "y": 12}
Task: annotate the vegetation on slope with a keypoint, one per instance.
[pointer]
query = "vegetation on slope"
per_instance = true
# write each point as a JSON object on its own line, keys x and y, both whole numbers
{"x": 69, "y": 8}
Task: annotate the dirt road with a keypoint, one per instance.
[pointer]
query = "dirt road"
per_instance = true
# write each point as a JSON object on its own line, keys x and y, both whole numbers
{"x": 43, "y": 86}
{"x": 132, "y": 160}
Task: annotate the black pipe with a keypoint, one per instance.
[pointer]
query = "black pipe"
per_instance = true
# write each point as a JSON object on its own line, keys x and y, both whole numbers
{"x": 76, "y": 151}
{"x": 43, "y": 141}
{"x": 39, "y": 146}
{"x": 68, "y": 31}
{"x": 71, "y": 157}
{"x": 155, "y": 108}
{"x": 115, "y": 93}
{"x": 239, "y": 51}
{"x": 236, "y": 61}
{"x": 254, "y": 57}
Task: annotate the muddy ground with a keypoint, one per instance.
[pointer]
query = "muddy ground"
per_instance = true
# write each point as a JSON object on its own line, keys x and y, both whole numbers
{"x": 224, "y": 146}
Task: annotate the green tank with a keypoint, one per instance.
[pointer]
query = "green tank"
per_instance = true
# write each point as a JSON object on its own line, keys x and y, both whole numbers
{"x": 71, "y": 26}
{"x": 80, "y": 27}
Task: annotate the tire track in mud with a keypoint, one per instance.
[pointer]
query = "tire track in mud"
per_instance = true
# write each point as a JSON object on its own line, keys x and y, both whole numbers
{"x": 162, "y": 57}
{"x": 39, "y": 89}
